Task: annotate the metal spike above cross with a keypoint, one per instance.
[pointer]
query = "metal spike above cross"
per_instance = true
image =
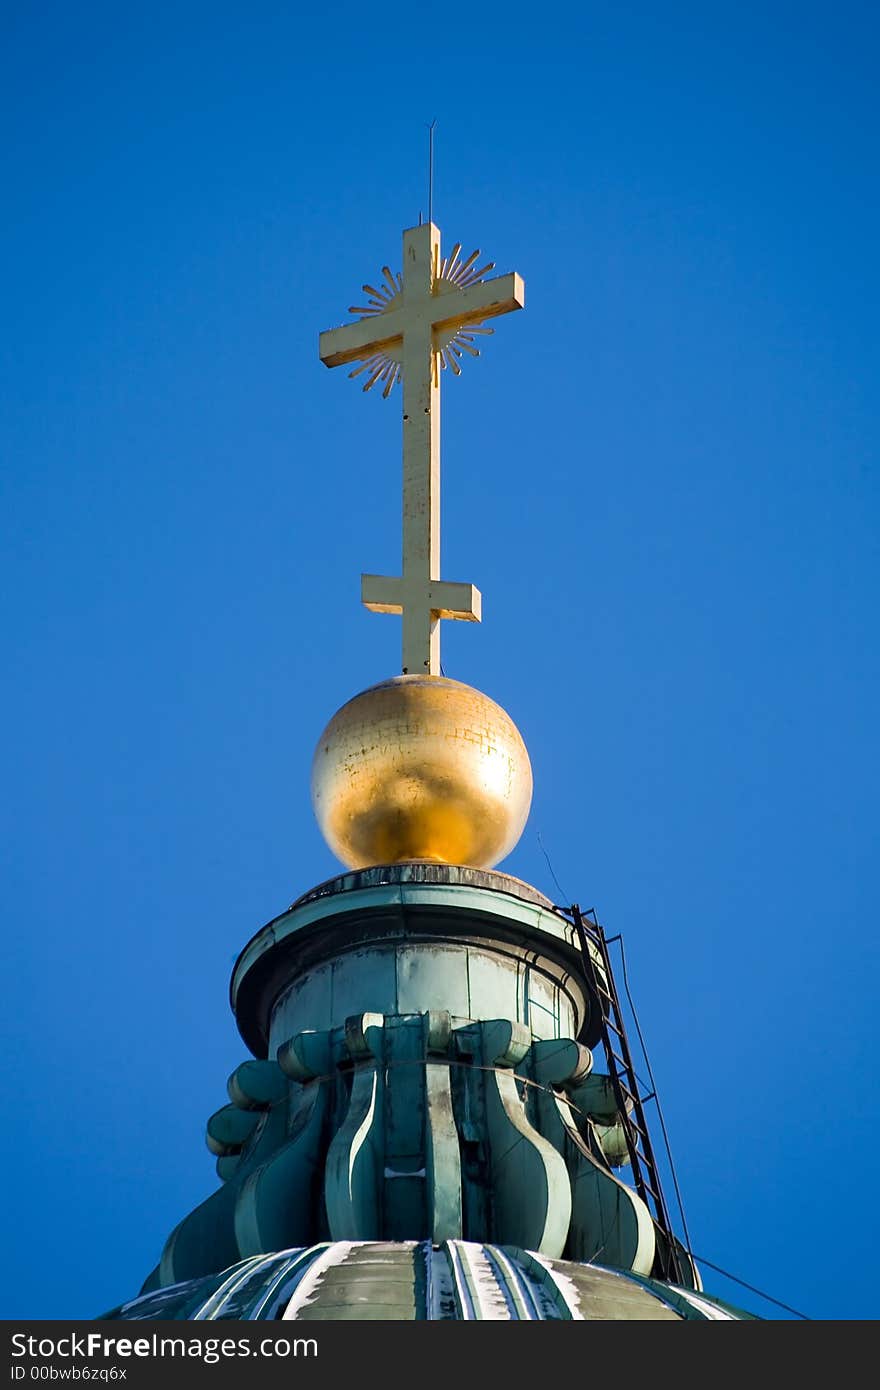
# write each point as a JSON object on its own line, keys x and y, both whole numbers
{"x": 412, "y": 326}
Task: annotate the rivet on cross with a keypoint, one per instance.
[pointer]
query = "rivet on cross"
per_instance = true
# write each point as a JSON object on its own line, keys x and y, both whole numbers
{"x": 413, "y": 325}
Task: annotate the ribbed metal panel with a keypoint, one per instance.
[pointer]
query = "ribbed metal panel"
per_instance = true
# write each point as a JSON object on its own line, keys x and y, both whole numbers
{"x": 412, "y": 1280}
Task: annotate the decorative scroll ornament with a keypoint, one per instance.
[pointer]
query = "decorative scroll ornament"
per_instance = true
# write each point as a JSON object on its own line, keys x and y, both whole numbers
{"x": 402, "y": 1127}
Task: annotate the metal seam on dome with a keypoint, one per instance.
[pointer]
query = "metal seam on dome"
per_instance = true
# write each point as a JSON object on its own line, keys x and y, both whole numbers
{"x": 262, "y": 1282}
{"x": 463, "y": 1298}
{"x": 516, "y": 1281}
{"x": 333, "y": 1253}
{"x": 567, "y": 1300}
{"x": 504, "y": 1284}
{"x": 484, "y": 1300}
{"x": 239, "y": 1276}
{"x": 667, "y": 1294}
{"x": 710, "y": 1310}
{"x": 296, "y": 1264}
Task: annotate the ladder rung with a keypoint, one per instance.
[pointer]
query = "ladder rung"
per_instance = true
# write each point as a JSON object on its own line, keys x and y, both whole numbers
{"x": 653, "y": 1193}
{"x": 644, "y": 1162}
{"x": 652, "y": 1170}
{"x": 646, "y": 1190}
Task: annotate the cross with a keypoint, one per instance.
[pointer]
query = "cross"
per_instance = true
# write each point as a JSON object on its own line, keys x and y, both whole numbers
{"x": 413, "y": 325}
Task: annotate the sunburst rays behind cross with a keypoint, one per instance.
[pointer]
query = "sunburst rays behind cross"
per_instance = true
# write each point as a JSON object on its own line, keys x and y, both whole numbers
{"x": 386, "y": 366}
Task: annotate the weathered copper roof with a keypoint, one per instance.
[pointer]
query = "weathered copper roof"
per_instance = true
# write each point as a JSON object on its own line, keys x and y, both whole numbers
{"x": 415, "y": 1280}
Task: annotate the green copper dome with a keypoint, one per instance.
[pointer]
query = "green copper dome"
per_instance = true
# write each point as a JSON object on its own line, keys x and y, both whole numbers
{"x": 417, "y": 1281}
{"x": 449, "y": 1150}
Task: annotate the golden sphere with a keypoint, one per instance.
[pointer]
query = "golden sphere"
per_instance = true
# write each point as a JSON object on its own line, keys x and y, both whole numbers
{"x": 421, "y": 767}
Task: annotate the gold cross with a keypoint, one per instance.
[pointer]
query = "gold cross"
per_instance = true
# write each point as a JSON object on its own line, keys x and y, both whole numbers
{"x": 412, "y": 326}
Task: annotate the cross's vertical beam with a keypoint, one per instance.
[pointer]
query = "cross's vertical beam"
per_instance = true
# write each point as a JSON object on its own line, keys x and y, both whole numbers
{"x": 421, "y": 450}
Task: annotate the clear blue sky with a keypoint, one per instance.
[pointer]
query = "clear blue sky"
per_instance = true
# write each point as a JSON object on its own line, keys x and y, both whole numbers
{"x": 663, "y": 475}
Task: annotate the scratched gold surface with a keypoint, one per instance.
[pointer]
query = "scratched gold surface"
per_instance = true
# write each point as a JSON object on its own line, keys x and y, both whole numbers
{"x": 421, "y": 767}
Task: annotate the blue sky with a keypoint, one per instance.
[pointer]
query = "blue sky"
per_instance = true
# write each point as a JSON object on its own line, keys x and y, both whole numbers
{"x": 662, "y": 475}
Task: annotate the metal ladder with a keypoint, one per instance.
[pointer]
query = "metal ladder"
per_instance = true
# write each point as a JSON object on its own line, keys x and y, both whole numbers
{"x": 674, "y": 1263}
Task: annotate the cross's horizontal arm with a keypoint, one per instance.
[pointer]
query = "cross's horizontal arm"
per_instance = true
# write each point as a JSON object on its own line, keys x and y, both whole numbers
{"x": 444, "y": 599}
{"x": 484, "y": 300}
{"x": 337, "y": 346}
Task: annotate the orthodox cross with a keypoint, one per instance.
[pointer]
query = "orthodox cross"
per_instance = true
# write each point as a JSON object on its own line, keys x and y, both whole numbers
{"x": 412, "y": 326}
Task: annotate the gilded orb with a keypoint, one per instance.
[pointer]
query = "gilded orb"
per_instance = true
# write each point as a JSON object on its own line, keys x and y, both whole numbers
{"x": 421, "y": 767}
